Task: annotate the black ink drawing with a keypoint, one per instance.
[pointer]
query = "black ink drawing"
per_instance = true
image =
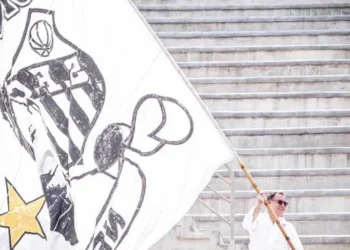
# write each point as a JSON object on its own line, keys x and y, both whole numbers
{"x": 110, "y": 147}
{"x": 52, "y": 87}
{"x": 60, "y": 206}
{"x": 9, "y": 9}
{"x": 41, "y": 38}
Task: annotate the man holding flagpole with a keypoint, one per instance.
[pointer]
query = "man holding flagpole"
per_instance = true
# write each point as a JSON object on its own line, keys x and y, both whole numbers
{"x": 263, "y": 231}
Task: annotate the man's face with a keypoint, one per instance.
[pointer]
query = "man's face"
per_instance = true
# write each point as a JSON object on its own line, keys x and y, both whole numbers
{"x": 278, "y": 204}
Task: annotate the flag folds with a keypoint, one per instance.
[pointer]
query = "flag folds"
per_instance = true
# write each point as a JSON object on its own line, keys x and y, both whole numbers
{"x": 104, "y": 144}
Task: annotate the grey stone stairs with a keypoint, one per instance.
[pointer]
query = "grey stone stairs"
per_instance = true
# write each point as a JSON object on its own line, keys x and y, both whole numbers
{"x": 276, "y": 76}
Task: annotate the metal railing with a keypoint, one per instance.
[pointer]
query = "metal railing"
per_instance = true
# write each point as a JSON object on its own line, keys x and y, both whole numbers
{"x": 231, "y": 201}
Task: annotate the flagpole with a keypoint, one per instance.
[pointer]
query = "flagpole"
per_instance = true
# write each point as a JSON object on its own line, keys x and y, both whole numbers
{"x": 267, "y": 205}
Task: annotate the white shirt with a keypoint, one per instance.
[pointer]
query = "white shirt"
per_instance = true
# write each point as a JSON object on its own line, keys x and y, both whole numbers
{"x": 265, "y": 235}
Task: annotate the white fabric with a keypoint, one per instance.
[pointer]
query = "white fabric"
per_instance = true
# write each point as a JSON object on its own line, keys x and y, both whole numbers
{"x": 120, "y": 141}
{"x": 265, "y": 235}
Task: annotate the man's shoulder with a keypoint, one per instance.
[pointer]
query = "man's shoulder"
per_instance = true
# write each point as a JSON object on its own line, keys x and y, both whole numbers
{"x": 286, "y": 223}
{"x": 265, "y": 217}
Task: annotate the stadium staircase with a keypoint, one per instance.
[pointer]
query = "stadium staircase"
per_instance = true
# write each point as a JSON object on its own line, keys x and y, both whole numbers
{"x": 276, "y": 76}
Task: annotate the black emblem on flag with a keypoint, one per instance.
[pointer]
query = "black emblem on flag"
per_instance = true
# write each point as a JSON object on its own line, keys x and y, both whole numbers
{"x": 69, "y": 88}
{"x": 66, "y": 87}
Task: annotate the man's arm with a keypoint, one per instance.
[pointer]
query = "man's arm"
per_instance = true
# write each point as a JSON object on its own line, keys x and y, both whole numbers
{"x": 256, "y": 212}
{"x": 251, "y": 217}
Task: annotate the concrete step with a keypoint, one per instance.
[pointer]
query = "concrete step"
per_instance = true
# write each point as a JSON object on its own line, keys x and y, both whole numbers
{"x": 300, "y": 201}
{"x": 305, "y": 223}
{"x": 295, "y": 158}
{"x": 293, "y": 151}
{"x": 238, "y": 2}
{"x": 260, "y": 53}
{"x": 245, "y": 38}
{"x": 290, "y": 179}
{"x": 276, "y": 101}
{"x": 293, "y": 118}
{"x": 265, "y": 68}
{"x": 289, "y": 137}
{"x": 204, "y": 24}
{"x": 310, "y": 242}
{"x": 224, "y": 10}
{"x": 271, "y": 84}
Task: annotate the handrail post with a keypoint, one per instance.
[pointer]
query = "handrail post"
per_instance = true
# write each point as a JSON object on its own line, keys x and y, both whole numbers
{"x": 230, "y": 168}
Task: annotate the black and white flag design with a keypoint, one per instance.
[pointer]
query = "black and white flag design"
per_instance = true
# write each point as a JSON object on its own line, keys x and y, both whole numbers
{"x": 104, "y": 143}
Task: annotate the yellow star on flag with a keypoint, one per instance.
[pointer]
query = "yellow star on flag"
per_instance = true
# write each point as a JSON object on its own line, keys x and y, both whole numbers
{"x": 21, "y": 217}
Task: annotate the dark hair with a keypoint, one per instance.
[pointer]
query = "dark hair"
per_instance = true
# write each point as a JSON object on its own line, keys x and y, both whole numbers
{"x": 272, "y": 195}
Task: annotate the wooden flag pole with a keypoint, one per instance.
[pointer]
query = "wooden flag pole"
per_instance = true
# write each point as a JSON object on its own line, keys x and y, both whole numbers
{"x": 267, "y": 205}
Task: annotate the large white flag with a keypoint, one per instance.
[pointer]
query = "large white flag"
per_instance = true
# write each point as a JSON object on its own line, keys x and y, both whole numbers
{"x": 104, "y": 145}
